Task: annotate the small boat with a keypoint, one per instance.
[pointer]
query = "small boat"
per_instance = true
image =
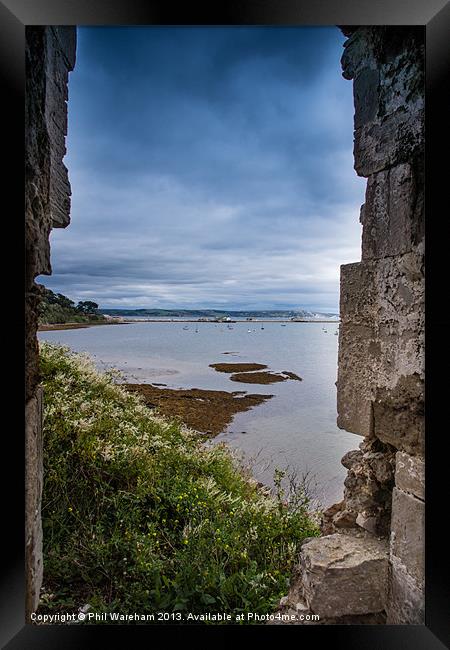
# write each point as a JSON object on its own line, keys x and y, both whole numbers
{"x": 249, "y": 331}
{"x": 283, "y": 324}
{"x": 325, "y": 331}
{"x": 336, "y": 333}
{"x": 262, "y": 328}
{"x": 185, "y": 327}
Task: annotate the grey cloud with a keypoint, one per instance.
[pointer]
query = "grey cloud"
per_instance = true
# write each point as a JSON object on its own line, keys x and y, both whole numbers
{"x": 209, "y": 166}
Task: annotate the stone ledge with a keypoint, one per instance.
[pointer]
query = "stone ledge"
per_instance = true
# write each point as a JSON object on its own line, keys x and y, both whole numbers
{"x": 344, "y": 575}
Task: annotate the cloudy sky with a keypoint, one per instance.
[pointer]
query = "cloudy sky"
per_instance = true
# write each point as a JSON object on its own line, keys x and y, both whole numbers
{"x": 210, "y": 167}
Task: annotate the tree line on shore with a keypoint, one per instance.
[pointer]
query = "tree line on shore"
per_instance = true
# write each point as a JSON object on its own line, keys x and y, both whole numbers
{"x": 57, "y": 308}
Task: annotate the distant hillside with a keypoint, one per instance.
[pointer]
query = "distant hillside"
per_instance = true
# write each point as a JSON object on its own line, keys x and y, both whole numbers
{"x": 215, "y": 313}
{"x": 57, "y": 308}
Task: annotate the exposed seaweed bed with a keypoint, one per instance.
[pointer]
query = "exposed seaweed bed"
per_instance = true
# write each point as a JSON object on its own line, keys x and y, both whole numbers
{"x": 244, "y": 372}
{"x": 258, "y": 377}
{"x": 237, "y": 367}
{"x": 211, "y": 411}
{"x": 207, "y": 411}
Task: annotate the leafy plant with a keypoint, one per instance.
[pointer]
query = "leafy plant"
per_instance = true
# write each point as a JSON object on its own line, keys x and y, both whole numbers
{"x": 140, "y": 515}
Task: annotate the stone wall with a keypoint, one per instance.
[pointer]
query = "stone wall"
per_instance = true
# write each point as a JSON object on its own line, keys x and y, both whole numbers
{"x": 50, "y": 55}
{"x": 380, "y": 387}
{"x": 381, "y": 347}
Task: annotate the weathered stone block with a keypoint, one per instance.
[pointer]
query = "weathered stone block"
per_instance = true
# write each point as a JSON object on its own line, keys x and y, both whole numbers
{"x": 58, "y": 64}
{"x": 355, "y": 379}
{"x": 384, "y": 143}
{"x": 355, "y": 372}
{"x": 358, "y": 52}
{"x": 398, "y": 414}
{"x": 408, "y": 533}
{"x": 406, "y": 601}
{"x": 388, "y": 214}
{"x": 33, "y": 493}
{"x": 400, "y": 317}
{"x": 410, "y": 474}
{"x": 357, "y": 294}
{"x": 366, "y": 95}
{"x": 382, "y": 340}
{"x": 344, "y": 574}
{"x": 394, "y": 134}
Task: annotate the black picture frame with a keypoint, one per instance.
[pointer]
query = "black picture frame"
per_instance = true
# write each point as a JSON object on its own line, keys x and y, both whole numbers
{"x": 434, "y": 15}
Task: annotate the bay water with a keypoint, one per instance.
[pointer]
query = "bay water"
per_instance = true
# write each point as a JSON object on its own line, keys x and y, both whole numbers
{"x": 295, "y": 431}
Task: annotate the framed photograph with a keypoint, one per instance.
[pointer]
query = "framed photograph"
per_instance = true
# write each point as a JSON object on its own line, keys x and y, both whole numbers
{"x": 225, "y": 322}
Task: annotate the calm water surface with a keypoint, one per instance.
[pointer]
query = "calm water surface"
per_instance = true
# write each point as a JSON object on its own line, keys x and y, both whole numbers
{"x": 295, "y": 430}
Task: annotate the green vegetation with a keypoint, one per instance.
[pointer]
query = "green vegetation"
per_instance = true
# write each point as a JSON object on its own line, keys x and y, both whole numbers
{"x": 140, "y": 515}
{"x": 56, "y": 308}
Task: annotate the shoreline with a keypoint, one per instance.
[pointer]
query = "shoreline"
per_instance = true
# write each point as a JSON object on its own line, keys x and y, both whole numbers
{"x": 49, "y": 327}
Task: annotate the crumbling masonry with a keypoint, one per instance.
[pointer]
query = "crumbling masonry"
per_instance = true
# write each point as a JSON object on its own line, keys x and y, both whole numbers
{"x": 369, "y": 566}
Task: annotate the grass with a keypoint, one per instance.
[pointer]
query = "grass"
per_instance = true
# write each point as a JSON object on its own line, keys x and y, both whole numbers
{"x": 140, "y": 515}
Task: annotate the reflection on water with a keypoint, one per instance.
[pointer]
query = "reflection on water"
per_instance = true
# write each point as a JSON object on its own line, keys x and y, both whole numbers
{"x": 296, "y": 429}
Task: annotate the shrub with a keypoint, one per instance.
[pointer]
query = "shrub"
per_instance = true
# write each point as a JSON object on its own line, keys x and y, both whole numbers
{"x": 140, "y": 515}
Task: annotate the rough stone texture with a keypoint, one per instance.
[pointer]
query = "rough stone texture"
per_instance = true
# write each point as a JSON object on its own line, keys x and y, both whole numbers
{"x": 407, "y": 552}
{"x": 405, "y": 598}
{"x": 342, "y": 564}
{"x": 410, "y": 474}
{"x": 393, "y": 201}
{"x": 33, "y": 493}
{"x": 50, "y": 55}
{"x": 60, "y": 58}
{"x": 399, "y": 414}
{"x": 323, "y": 583}
{"x": 367, "y": 492}
{"x": 381, "y": 348}
{"x": 408, "y": 534}
{"x": 387, "y": 66}
{"x": 294, "y": 606}
{"x": 345, "y": 519}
